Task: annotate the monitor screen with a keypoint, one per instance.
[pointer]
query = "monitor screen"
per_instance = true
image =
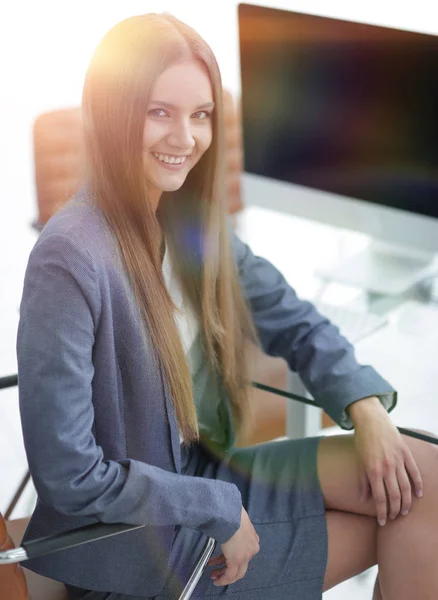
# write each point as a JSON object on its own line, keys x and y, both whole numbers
{"x": 342, "y": 107}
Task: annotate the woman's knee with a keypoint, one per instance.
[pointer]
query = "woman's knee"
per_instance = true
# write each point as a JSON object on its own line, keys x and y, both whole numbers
{"x": 340, "y": 474}
{"x": 426, "y": 457}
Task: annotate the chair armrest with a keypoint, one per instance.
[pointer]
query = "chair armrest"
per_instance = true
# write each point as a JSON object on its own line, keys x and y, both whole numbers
{"x": 64, "y": 541}
{"x": 91, "y": 533}
{"x": 203, "y": 559}
{"x": 8, "y": 381}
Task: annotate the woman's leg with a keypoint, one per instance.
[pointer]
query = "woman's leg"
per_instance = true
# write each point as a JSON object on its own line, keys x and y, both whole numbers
{"x": 351, "y": 546}
{"x": 377, "y": 592}
{"x": 406, "y": 548}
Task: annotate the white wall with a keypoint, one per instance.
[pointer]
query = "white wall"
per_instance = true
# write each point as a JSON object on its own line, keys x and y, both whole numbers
{"x": 45, "y": 46}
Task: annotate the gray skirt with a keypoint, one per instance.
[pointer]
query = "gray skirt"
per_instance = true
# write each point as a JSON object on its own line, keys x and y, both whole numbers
{"x": 282, "y": 495}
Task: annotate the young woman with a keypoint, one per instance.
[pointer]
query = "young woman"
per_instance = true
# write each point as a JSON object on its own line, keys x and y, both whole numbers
{"x": 138, "y": 302}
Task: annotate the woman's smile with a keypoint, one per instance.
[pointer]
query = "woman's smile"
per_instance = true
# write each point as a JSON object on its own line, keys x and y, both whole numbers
{"x": 172, "y": 162}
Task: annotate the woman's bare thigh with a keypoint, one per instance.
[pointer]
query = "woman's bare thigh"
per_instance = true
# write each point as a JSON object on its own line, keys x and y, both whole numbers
{"x": 351, "y": 524}
{"x": 351, "y": 546}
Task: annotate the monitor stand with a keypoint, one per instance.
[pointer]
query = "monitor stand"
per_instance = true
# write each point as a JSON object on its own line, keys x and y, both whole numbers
{"x": 383, "y": 269}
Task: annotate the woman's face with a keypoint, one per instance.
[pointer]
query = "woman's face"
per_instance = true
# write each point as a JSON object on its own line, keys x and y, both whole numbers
{"x": 178, "y": 127}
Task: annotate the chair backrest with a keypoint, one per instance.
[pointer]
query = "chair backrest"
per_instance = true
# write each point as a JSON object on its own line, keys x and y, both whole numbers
{"x": 59, "y": 157}
{"x": 234, "y": 152}
{"x": 12, "y": 580}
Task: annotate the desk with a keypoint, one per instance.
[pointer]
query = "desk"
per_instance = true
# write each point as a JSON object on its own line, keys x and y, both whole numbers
{"x": 405, "y": 352}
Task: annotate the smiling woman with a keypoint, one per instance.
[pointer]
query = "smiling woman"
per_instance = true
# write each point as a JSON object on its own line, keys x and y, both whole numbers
{"x": 138, "y": 304}
{"x": 176, "y": 135}
{"x": 153, "y": 89}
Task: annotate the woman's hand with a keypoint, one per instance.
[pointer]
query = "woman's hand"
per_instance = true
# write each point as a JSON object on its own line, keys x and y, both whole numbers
{"x": 236, "y": 553}
{"x": 391, "y": 473}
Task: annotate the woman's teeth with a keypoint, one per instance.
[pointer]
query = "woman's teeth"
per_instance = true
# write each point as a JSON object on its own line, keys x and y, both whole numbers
{"x": 170, "y": 160}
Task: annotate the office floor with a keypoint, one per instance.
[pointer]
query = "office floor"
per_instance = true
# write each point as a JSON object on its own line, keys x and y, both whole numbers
{"x": 15, "y": 245}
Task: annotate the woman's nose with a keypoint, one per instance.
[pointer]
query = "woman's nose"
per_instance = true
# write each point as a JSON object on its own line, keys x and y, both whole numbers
{"x": 181, "y": 136}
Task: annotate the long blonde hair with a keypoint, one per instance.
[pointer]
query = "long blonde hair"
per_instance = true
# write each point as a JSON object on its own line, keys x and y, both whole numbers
{"x": 116, "y": 94}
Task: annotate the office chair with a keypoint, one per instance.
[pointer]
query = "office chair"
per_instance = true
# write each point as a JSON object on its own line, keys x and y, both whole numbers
{"x": 14, "y": 584}
{"x": 17, "y": 583}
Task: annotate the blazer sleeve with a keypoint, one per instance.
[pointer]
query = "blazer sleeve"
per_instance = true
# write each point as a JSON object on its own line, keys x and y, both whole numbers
{"x": 312, "y": 346}
{"x": 59, "y": 315}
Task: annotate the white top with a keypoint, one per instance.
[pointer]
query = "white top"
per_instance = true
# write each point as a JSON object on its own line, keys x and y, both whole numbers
{"x": 185, "y": 319}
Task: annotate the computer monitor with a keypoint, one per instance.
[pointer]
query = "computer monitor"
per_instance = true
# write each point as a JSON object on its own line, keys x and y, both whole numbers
{"x": 340, "y": 124}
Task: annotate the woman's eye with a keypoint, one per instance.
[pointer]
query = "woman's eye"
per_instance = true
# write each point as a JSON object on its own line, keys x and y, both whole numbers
{"x": 202, "y": 114}
{"x": 158, "y": 112}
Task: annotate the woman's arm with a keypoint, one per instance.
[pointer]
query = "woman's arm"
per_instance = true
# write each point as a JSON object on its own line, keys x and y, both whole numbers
{"x": 312, "y": 346}
{"x": 351, "y": 394}
{"x": 59, "y": 314}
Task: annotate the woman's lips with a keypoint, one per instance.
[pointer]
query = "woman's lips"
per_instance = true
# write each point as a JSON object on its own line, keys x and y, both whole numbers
{"x": 171, "y": 166}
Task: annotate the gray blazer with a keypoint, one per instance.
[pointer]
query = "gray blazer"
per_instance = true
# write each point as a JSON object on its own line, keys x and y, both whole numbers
{"x": 99, "y": 429}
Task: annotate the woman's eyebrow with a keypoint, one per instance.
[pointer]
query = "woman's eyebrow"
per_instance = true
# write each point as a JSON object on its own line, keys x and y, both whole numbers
{"x": 173, "y": 107}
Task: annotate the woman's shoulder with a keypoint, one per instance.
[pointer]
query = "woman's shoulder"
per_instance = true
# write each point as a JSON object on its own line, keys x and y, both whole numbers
{"x": 78, "y": 231}
{"x": 79, "y": 219}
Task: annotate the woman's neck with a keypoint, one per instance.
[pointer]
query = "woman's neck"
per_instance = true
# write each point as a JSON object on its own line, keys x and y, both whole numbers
{"x": 154, "y": 198}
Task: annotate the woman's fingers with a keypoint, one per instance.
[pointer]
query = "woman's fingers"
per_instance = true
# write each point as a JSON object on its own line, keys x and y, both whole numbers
{"x": 218, "y": 573}
{"x": 414, "y": 472}
{"x": 217, "y": 560}
{"x": 405, "y": 489}
{"x": 394, "y": 494}
{"x": 365, "y": 488}
{"x": 379, "y": 495}
{"x": 228, "y": 575}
